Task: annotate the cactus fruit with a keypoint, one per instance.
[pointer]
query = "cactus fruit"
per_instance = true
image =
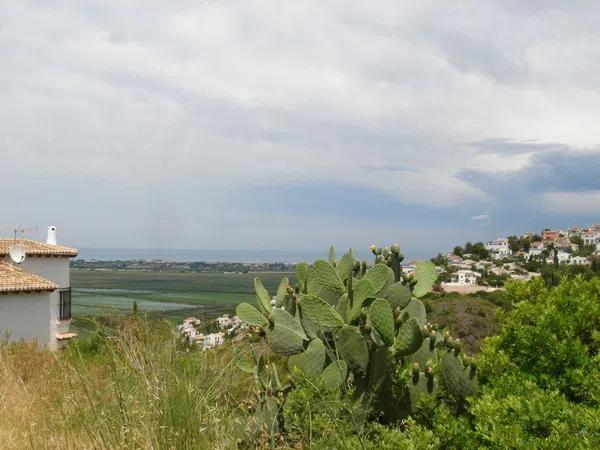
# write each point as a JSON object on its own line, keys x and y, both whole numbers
{"x": 250, "y": 315}
{"x": 320, "y": 312}
{"x": 381, "y": 317}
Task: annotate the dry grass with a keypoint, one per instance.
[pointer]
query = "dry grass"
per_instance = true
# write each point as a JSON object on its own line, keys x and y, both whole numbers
{"x": 132, "y": 387}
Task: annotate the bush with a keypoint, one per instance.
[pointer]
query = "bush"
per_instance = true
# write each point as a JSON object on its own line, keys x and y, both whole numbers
{"x": 552, "y": 335}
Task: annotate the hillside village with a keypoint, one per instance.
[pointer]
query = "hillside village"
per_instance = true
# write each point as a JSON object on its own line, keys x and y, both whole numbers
{"x": 486, "y": 266}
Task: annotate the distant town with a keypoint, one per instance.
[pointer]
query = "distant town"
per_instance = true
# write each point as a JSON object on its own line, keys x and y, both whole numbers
{"x": 486, "y": 266}
{"x": 466, "y": 268}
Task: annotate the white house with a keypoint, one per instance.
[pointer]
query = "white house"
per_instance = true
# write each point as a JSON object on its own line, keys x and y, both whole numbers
{"x": 579, "y": 261}
{"x": 591, "y": 238}
{"x": 536, "y": 248}
{"x": 213, "y": 340}
{"x": 464, "y": 278}
{"x": 499, "y": 248}
{"x": 35, "y": 292}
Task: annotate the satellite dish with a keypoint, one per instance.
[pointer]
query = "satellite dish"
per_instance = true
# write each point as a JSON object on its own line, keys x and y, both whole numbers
{"x": 17, "y": 253}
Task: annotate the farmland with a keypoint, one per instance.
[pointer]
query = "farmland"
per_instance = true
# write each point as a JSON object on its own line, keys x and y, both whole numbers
{"x": 165, "y": 294}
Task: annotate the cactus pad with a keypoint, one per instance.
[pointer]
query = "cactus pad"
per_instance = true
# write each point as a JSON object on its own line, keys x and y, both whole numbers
{"x": 301, "y": 274}
{"x": 264, "y": 300}
{"x": 335, "y": 374}
{"x": 363, "y": 289}
{"x": 460, "y": 381}
{"x": 425, "y": 276}
{"x": 416, "y": 309}
{"x": 324, "y": 275}
{"x": 426, "y": 352}
{"x": 282, "y": 291}
{"x": 420, "y": 385}
{"x": 352, "y": 348}
{"x": 398, "y": 295}
{"x": 345, "y": 266}
{"x": 342, "y": 306}
{"x": 382, "y": 320}
{"x": 380, "y": 277}
{"x": 250, "y": 315}
{"x": 287, "y": 336}
{"x": 409, "y": 337}
{"x": 332, "y": 256}
{"x": 320, "y": 312}
{"x": 311, "y": 362}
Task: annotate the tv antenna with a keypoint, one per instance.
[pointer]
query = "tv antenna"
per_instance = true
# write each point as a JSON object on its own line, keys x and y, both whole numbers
{"x": 20, "y": 231}
{"x": 17, "y": 253}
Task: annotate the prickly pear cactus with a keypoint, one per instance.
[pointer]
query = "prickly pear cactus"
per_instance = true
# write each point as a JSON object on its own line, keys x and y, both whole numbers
{"x": 346, "y": 324}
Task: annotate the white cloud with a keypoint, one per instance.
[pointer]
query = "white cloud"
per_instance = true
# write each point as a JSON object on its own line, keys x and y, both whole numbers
{"x": 269, "y": 93}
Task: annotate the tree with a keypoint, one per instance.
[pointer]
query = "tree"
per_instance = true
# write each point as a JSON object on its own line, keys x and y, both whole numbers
{"x": 458, "y": 251}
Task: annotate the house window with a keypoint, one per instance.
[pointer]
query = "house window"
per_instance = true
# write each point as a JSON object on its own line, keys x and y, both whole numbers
{"x": 64, "y": 306}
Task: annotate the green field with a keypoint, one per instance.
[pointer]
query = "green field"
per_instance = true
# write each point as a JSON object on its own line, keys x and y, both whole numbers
{"x": 168, "y": 294}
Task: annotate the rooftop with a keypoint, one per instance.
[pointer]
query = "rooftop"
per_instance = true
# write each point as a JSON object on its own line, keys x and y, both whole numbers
{"x": 14, "y": 279}
{"x": 33, "y": 248}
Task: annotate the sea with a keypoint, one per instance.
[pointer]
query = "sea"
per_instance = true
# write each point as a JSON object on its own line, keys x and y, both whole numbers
{"x": 213, "y": 255}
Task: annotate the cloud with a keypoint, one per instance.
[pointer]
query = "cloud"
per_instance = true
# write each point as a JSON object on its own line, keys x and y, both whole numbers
{"x": 187, "y": 105}
{"x": 481, "y": 219}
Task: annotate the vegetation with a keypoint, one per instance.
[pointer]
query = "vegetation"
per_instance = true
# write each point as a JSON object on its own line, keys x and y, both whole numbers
{"x": 132, "y": 384}
{"x": 165, "y": 294}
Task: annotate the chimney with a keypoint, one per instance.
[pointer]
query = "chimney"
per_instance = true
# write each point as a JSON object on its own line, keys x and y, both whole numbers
{"x": 51, "y": 236}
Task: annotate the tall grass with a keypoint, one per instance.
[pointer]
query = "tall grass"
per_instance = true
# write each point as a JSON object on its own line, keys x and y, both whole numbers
{"x": 126, "y": 386}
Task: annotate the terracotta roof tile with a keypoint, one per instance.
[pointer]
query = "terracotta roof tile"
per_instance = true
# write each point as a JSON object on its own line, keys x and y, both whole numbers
{"x": 15, "y": 279}
{"x": 33, "y": 248}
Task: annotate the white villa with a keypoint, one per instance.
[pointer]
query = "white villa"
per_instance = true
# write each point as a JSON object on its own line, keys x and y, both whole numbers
{"x": 35, "y": 291}
{"x": 579, "y": 261}
{"x": 536, "y": 248}
{"x": 499, "y": 248}
{"x": 464, "y": 278}
{"x": 591, "y": 238}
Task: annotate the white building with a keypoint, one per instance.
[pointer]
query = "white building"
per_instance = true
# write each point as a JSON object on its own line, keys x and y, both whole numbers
{"x": 463, "y": 278}
{"x": 579, "y": 261}
{"x": 562, "y": 256}
{"x": 591, "y": 238}
{"x": 35, "y": 294}
{"x": 224, "y": 321}
{"x": 213, "y": 340}
{"x": 499, "y": 248}
{"x": 536, "y": 248}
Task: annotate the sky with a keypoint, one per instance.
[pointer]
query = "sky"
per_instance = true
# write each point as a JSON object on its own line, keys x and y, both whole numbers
{"x": 295, "y": 125}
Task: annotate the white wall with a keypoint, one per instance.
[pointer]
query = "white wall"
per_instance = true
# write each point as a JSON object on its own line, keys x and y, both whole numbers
{"x": 52, "y": 268}
{"x": 27, "y": 316}
{"x": 57, "y": 270}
